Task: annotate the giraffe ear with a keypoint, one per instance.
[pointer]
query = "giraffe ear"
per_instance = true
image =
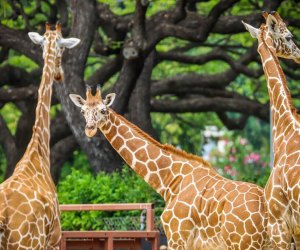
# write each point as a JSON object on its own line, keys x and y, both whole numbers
{"x": 254, "y": 32}
{"x": 35, "y": 37}
{"x": 68, "y": 42}
{"x": 77, "y": 100}
{"x": 109, "y": 99}
{"x": 272, "y": 24}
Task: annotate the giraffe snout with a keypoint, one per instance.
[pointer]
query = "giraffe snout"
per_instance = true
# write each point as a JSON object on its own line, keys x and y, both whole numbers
{"x": 90, "y": 130}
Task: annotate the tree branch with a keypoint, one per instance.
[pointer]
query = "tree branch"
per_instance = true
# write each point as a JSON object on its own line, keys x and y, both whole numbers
{"x": 17, "y": 94}
{"x": 19, "y": 41}
{"x": 198, "y": 34}
{"x": 60, "y": 153}
{"x": 18, "y": 77}
{"x": 59, "y": 128}
{"x": 233, "y": 124}
{"x": 216, "y": 104}
{"x": 110, "y": 68}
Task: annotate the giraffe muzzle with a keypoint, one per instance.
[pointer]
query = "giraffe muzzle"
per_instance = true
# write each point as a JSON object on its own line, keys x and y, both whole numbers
{"x": 90, "y": 131}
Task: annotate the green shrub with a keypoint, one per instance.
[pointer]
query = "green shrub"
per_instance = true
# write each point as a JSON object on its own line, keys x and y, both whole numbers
{"x": 118, "y": 187}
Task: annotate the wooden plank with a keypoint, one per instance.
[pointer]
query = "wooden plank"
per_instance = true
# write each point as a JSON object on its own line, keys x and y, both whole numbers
{"x": 150, "y": 220}
{"x": 118, "y": 243}
{"x": 106, "y": 207}
{"x": 107, "y": 234}
{"x": 63, "y": 244}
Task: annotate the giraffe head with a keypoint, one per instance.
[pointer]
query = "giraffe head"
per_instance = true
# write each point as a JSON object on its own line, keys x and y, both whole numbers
{"x": 277, "y": 35}
{"x": 53, "y": 43}
{"x": 94, "y": 109}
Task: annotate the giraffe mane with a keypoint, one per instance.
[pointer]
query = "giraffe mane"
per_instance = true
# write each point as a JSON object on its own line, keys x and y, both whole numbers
{"x": 282, "y": 75}
{"x": 166, "y": 147}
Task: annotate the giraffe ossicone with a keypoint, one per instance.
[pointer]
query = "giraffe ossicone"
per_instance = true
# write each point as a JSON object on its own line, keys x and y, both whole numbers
{"x": 29, "y": 211}
{"x": 203, "y": 209}
{"x": 282, "y": 191}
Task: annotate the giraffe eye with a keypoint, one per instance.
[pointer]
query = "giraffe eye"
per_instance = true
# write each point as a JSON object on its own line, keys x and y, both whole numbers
{"x": 103, "y": 112}
{"x": 288, "y": 38}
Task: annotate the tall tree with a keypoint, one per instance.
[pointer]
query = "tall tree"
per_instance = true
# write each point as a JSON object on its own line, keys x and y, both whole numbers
{"x": 157, "y": 56}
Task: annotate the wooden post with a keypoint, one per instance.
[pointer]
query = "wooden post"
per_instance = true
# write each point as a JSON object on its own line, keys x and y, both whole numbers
{"x": 150, "y": 218}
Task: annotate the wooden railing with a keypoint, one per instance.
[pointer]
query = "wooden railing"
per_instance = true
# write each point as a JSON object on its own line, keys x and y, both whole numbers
{"x": 109, "y": 239}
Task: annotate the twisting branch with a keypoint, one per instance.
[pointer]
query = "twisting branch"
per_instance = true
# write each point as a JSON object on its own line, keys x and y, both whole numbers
{"x": 215, "y": 54}
{"x": 60, "y": 154}
{"x": 19, "y": 41}
{"x": 199, "y": 34}
{"x": 106, "y": 71}
{"x": 231, "y": 124}
{"x": 204, "y": 104}
{"x": 18, "y": 77}
{"x": 194, "y": 81}
{"x": 59, "y": 128}
{"x": 17, "y": 94}
{"x": 114, "y": 26}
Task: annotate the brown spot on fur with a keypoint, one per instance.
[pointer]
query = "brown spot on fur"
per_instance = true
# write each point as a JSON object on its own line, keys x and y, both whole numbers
{"x": 127, "y": 156}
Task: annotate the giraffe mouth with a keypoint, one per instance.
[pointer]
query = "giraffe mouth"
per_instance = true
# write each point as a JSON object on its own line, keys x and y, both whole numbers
{"x": 91, "y": 131}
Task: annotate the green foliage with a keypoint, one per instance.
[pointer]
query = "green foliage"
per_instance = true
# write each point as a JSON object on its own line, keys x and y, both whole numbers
{"x": 206, "y": 6}
{"x": 54, "y": 110}
{"x": 79, "y": 162}
{"x": 11, "y": 115}
{"x": 21, "y": 61}
{"x": 2, "y": 164}
{"x": 5, "y": 9}
{"x": 183, "y": 130}
{"x": 29, "y": 8}
{"x": 119, "y": 187}
{"x": 124, "y": 7}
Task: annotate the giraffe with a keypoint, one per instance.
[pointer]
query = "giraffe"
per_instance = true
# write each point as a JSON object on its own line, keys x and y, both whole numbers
{"x": 203, "y": 209}
{"x": 282, "y": 191}
{"x": 29, "y": 212}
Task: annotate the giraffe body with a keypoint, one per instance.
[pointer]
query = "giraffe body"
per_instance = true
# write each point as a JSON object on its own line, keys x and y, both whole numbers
{"x": 283, "y": 187}
{"x": 29, "y": 211}
{"x": 203, "y": 210}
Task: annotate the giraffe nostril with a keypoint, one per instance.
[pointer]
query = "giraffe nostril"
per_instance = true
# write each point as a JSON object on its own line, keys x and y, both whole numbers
{"x": 90, "y": 126}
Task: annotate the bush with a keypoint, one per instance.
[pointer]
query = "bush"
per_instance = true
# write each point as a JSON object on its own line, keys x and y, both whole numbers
{"x": 118, "y": 187}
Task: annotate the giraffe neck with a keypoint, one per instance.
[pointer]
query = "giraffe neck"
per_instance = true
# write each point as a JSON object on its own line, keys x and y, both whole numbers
{"x": 161, "y": 166}
{"x": 282, "y": 109}
{"x": 40, "y": 140}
